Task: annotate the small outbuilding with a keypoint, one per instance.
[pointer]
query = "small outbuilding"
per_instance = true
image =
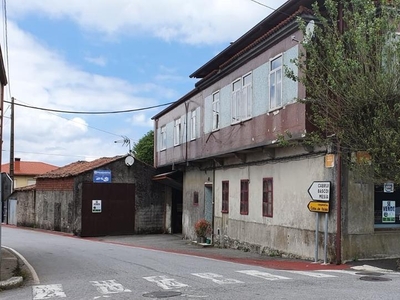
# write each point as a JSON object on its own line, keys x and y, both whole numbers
{"x": 107, "y": 196}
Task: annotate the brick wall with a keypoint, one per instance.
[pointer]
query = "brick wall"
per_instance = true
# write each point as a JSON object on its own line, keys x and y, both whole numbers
{"x": 58, "y": 184}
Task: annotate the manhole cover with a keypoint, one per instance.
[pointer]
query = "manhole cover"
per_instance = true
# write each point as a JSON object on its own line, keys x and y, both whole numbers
{"x": 374, "y": 278}
{"x": 162, "y": 294}
{"x": 369, "y": 273}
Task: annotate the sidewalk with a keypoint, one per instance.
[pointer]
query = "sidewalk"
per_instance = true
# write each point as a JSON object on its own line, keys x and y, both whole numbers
{"x": 176, "y": 244}
{"x": 10, "y": 269}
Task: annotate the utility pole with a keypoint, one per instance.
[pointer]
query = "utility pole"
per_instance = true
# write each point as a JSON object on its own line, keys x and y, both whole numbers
{"x": 12, "y": 145}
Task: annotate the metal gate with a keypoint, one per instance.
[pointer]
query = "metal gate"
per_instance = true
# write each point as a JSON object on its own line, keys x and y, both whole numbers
{"x": 108, "y": 209}
{"x": 12, "y": 211}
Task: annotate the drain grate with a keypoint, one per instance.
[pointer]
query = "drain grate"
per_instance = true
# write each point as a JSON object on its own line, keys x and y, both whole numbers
{"x": 374, "y": 278}
{"x": 162, "y": 294}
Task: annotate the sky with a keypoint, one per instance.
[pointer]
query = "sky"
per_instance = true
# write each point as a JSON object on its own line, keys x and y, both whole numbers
{"x": 106, "y": 55}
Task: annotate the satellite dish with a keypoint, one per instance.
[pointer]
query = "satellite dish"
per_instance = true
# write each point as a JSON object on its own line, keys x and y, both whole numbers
{"x": 309, "y": 31}
{"x": 129, "y": 160}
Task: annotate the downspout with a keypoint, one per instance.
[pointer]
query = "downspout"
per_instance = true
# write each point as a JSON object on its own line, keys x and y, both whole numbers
{"x": 186, "y": 132}
{"x": 339, "y": 178}
{"x": 213, "y": 203}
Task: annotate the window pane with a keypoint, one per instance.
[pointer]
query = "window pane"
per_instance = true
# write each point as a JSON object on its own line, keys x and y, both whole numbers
{"x": 236, "y": 85}
{"x": 247, "y": 79}
{"x": 276, "y": 63}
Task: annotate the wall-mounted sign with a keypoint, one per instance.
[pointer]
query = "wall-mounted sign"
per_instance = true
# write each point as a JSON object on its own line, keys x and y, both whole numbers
{"x": 329, "y": 160}
{"x": 102, "y": 176}
{"x": 388, "y": 211}
{"x": 96, "y": 206}
{"x": 388, "y": 187}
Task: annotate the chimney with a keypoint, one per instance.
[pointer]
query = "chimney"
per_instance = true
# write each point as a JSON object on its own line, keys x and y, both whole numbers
{"x": 17, "y": 164}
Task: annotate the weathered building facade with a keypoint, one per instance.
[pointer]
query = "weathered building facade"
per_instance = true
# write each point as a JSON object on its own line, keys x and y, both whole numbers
{"x": 225, "y": 134}
{"x": 108, "y": 196}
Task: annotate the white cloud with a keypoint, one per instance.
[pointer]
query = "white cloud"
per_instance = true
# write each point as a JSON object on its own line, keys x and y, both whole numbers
{"x": 99, "y": 60}
{"x": 142, "y": 120}
{"x": 192, "y": 22}
{"x": 41, "y": 77}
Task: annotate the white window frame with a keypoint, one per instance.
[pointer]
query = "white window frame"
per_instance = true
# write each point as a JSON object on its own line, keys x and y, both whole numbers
{"x": 215, "y": 111}
{"x": 193, "y": 127}
{"x": 177, "y": 131}
{"x": 275, "y": 83}
{"x": 236, "y": 91}
{"x": 247, "y": 96}
{"x": 163, "y": 134}
{"x": 242, "y": 98}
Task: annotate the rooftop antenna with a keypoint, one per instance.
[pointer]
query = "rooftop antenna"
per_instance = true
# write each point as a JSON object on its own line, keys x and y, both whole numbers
{"x": 125, "y": 142}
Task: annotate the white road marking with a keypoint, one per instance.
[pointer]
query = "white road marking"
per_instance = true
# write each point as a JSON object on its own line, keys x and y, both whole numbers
{"x": 165, "y": 282}
{"x": 48, "y": 291}
{"x": 341, "y": 271}
{"x": 217, "y": 278}
{"x": 264, "y": 275}
{"x": 312, "y": 274}
{"x": 109, "y": 287}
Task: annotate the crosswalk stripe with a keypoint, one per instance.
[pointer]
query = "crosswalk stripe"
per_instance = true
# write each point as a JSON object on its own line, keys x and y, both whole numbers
{"x": 312, "y": 274}
{"x": 41, "y": 292}
{"x": 264, "y": 275}
{"x": 109, "y": 287}
{"x": 165, "y": 282}
{"x": 217, "y": 278}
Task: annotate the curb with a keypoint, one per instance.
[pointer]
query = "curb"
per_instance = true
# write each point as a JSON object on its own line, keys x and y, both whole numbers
{"x": 11, "y": 283}
{"x": 14, "y": 282}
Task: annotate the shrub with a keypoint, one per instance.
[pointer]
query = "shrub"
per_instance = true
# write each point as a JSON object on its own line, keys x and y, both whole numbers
{"x": 202, "y": 228}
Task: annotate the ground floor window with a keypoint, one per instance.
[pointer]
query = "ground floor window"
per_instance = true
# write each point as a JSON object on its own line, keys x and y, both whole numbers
{"x": 225, "y": 196}
{"x": 387, "y": 206}
{"x": 244, "y": 197}
{"x": 267, "y": 197}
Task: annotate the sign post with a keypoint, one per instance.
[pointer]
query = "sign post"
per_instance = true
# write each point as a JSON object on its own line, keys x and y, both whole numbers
{"x": 319, "y": 192}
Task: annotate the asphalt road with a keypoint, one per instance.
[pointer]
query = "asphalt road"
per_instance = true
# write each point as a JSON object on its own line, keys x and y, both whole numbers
{"x": 73, "y": 268}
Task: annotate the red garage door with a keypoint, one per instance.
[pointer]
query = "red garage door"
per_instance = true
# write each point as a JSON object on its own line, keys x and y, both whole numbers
{"x": 108, "y": 209}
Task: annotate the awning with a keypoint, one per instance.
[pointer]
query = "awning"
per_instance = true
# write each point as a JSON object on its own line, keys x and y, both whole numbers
{"x": 165, "y": 178}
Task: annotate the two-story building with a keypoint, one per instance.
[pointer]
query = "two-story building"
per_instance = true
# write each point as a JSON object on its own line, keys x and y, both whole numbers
{"x": 224, "y": 136}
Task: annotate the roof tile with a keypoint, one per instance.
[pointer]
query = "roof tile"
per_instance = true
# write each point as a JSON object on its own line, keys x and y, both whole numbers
{"x": 33, "y": 168}
{"x": 79, "y": 167}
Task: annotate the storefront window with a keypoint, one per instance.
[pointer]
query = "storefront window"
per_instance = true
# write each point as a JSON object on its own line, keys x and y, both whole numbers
{"x": 387, "y": 206}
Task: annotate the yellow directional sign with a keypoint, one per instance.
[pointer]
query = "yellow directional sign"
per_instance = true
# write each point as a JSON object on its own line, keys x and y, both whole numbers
{"x": 320, "y": 207}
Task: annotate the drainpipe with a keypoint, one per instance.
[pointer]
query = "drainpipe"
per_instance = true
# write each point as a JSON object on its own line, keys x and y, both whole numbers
{"x": 186, "y": 126}
{"x": 213, "y": 202}
{"x": 339, "y": 178}
{"x": 339, "y": 208}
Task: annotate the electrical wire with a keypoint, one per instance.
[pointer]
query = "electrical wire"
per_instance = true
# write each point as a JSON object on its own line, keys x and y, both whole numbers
{"x": 90, "y": 112}
{"x": 274, "y": 9}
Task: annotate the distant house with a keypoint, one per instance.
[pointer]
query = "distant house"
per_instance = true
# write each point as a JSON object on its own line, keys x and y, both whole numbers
{"x": 24, "y": 175}
{"x": 107, "y": 196}
{"x": 26, "y": 171}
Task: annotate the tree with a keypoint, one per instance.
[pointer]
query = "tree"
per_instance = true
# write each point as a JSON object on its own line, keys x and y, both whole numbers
{"x": 144, "y": 148}
{"x": 351, "y": 72}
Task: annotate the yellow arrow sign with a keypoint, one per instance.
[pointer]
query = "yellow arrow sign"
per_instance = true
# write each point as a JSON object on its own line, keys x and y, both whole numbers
{"x": 315, "y": 206}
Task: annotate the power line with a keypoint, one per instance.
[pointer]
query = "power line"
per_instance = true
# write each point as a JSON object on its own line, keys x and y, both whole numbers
{"x": 274, "y": 9}
{"x": 51, "y": 154}
{"x": 90, "y": 112}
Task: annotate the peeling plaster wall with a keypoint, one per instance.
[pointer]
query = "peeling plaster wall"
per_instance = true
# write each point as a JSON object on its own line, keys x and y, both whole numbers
{"x": 193, "y": 181}
{"x": 292, "y": 227}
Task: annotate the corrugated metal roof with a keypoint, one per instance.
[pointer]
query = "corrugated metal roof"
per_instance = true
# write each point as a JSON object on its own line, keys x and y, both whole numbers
{"x": 80, "y": 167}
